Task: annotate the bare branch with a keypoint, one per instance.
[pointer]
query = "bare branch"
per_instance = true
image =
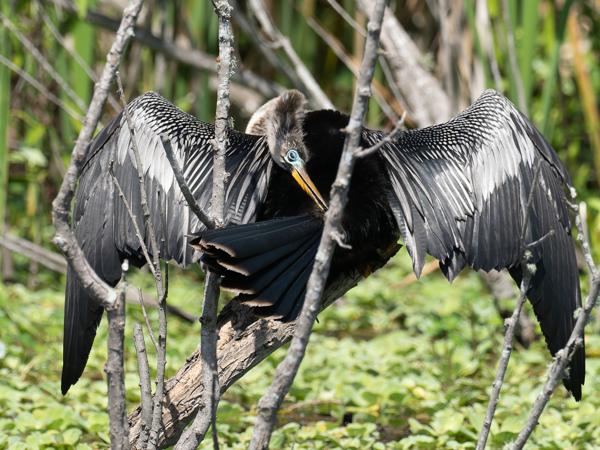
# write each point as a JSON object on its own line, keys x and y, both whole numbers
{"x": 379, "y": 91}
{"x": 287, "y": 369}
{"x": 279, "y": 40}
{"x": 206, "y": 415}
{"x": 485, "y": 34}
{"x": 136, "y": 228}
{"x": 264, "y": 47}
{"x": 209, "y": 335}
{"x": 425, "y": 99}
{"x": 528, "y": 270}
{"x": 145, "y": 389}
{"x": 76, "y": 56}
{"x": 161, "y": 285}
{"x": 115, "y": 373}
{"x": 510, "y": 325}
{"x": 244, "y": 341}
{"x": 64, "y": 237}
{"x": 147, "y": 320}
{"x": 362, "y": 152}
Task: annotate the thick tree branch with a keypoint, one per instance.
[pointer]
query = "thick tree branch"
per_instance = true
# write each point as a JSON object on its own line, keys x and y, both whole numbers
{"x": 287, "y": 369}
{"x": 244, "y": 341}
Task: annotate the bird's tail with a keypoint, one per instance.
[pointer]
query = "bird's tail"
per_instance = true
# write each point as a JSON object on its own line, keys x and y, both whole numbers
{"x": 267, "y": 263}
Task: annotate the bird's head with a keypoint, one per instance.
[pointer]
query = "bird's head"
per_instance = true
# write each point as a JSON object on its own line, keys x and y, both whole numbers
{"x": 280, "y": 121}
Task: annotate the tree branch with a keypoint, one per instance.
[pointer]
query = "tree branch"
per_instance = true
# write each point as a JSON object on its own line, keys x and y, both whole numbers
{"x": 426, "y": 101}
{"x": 279, "y": 40}
{"x": 208, "y": 343}
{"x": 145, "y": 388}
{"x": 244, "y": 341}
{"x": 287, "y": 369}
{"x": 115, "y": 373}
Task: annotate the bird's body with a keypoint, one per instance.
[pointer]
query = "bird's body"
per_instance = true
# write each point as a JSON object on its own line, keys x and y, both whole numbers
{"x": 368, "y": 221}
{"x": 458, "y": 191}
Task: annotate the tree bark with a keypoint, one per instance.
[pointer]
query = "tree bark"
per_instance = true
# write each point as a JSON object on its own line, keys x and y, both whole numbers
{"x": 244, "y": 341}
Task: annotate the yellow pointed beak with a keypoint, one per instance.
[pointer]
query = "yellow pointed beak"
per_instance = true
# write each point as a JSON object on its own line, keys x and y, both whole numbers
{"x": 302, "y": 178}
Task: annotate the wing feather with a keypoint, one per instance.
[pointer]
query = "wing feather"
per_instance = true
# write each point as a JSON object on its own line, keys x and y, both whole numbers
{"x": 460, "y": 194}
{"x": 104, "y": 227}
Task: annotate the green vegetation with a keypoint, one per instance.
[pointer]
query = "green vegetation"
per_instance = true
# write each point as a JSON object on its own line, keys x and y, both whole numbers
{"x": 408, "y": 367}
{"x": 390, "y": 365}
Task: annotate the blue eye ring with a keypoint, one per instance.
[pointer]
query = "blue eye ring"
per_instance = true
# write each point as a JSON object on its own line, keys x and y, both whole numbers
{"x": 292, "y": 156}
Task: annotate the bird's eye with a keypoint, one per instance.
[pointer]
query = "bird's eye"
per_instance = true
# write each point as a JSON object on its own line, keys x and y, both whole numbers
{"x": 292, "y": 156}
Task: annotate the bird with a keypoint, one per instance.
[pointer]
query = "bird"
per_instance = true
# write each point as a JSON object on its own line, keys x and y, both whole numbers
{"x": 475, "y": 191}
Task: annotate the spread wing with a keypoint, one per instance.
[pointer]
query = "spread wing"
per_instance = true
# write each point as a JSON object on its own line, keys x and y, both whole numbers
{"x": 105, "y": 229}
{"x": 461, "y": 191}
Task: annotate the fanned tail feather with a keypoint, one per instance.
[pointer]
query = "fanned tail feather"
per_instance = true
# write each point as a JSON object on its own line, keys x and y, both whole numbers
{"x": 268, "y": 263}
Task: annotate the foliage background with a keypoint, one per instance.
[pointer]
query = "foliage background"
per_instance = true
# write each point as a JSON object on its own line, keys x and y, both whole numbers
{"x": 396, "y": 363}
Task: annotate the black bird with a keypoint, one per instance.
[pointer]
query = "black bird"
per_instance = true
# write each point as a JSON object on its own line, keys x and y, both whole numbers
{"x": 457, "y": 191}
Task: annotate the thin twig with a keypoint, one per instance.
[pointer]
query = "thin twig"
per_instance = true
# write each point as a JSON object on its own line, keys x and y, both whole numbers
{"x": 185, "y": 190}
{"x": 279, "y": 40}
{"x": 32, "y": 49}
{"x": 564, "y": 356}
{"x": 161, "y": 289}
{"x": 483, "y": 25}
{"x": 353, "y": 65}
{"x": 206, "y": 415}
{"x": 71, "y": 51}
{"x": 41, "y": 88}
{"x": 385, "y": 67}
{"x": 286, "y": 371}
{"x": 347, "y": 17}
{"x": 145, "y": 389}
{"x": 138, "y": 232}
{"x": 264, "y": 47}
{"x": 528, "y": 270}
{"x": 425, "y": 100}
{"x": 147, "y": 320}
{"x": 362, "y": 152}
{"x": 510, "y": 325}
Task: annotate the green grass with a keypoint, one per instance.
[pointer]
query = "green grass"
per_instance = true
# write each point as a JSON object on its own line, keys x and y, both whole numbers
{"x": 407, "y": 368}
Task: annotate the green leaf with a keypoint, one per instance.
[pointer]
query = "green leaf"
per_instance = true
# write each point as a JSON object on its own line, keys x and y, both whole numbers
{"x": 71, "y": 436}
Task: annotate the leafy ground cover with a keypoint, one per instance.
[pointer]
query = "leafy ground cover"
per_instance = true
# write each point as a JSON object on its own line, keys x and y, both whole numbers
{"x": 390, "y": 366}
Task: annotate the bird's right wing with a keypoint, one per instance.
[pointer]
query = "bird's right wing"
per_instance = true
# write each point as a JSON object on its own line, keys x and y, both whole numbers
{"x": 461, "y": 192}
{"x": 104, "y": 227}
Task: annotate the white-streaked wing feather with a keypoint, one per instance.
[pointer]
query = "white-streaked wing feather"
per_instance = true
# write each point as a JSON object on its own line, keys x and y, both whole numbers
{"x": 460, "y": 194}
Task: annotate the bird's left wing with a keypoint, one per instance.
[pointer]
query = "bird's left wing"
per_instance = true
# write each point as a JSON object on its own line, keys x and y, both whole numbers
{"x": 104, "y": 227}
{"x": 460, "y": 194}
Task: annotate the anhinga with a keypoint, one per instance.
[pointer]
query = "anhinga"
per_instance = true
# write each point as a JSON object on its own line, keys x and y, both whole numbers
{"x": 457, "y": 191}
